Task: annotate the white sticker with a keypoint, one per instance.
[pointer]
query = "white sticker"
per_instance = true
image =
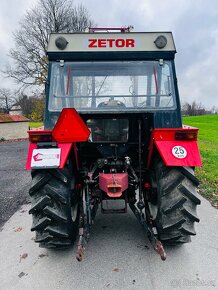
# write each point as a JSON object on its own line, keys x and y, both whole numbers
{"x": 46, "y": 158}
{"x": 179, "y": 152}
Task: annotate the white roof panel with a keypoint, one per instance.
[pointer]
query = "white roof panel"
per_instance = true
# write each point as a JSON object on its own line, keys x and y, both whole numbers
{"x": 96, "y": 42}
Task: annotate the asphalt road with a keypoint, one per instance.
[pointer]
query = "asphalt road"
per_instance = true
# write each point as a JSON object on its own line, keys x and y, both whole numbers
{"x": 14, "y": 180}
{"x": 118, "y": 255}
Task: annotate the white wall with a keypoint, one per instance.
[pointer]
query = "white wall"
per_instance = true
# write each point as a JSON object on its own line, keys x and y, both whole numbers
{"x": 14, "y": 130}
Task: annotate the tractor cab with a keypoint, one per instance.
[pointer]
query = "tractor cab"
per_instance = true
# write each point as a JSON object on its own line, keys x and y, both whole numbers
{"x": 113, "y": 73}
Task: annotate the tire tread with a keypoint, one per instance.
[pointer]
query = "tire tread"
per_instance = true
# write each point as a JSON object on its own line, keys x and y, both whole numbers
{"x": 177, "y": 201}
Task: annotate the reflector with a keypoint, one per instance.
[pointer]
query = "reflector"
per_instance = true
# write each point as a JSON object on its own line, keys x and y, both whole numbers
{"x": 70, "y": 128}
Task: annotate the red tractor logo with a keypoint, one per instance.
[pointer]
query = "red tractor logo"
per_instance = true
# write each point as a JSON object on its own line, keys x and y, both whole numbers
{"x": 38, "y": 157}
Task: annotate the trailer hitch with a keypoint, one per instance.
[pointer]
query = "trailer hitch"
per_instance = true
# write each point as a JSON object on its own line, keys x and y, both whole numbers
{"x": 84, "y": 232}
{"x": 87, "y": 219}
{"x": 149, "y": 230}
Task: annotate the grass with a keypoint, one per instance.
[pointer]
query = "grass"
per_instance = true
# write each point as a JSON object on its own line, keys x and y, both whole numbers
{"x": 33, "y": 124}
{"x": 208, "y": 144}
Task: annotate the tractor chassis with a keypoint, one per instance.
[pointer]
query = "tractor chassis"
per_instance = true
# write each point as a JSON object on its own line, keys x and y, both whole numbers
{"x": 87, "y": 216}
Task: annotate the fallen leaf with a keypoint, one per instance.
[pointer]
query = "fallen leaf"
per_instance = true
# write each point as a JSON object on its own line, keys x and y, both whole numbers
{"x": 18, "y": 229}
{"x": 23, "y": 256}
{"x": 43, "y": 255}
{"x": 21, "y": 274}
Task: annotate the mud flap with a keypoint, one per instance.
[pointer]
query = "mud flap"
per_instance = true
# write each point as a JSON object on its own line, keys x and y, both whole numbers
{"x": 179, "y": 153}
{"x": 48, "y": 158}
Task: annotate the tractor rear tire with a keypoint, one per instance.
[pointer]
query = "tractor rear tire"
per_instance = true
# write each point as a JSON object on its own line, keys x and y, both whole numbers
{"x": 176, "y": 203}
{"x": 53, "y": 197}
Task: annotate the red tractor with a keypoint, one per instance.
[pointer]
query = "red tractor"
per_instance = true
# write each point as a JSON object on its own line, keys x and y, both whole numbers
{"x": 113, "y": 138}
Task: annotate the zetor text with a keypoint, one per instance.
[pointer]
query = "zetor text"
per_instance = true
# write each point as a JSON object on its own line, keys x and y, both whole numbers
{"x": 100, "y": 43}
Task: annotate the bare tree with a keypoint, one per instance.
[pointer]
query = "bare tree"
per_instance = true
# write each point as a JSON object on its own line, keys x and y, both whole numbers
{"x": 214, "y": 110}
{"x": 193, "y": 109}
{"x": 31, "y": 39}
{"x": 7, "y": 100}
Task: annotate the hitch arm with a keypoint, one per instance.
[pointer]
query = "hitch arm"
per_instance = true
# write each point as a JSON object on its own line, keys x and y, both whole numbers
{"x": 85, "y": 223}
{"x": 157, "y": 245}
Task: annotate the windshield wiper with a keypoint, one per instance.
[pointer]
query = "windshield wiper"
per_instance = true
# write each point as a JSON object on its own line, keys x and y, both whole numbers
{"x": 68, "y": 81}
{"x": 155, "y": 79}
{"x": 101, "y": 85}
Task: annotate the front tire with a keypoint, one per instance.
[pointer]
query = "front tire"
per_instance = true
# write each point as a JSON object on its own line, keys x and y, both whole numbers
{"x": 176, "y": 203}
{"x": 53, "y": 198}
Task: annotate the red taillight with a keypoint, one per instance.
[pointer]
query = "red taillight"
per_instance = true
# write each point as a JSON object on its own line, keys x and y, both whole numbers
{"x": 40, "y": 136}
{"x": 186, "y": 135}
{"x": 147, "y": 185}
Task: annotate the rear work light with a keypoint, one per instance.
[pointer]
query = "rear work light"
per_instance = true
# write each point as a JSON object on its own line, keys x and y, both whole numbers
{"x": 186, "y": 135}
{"x": 37, "y": 136}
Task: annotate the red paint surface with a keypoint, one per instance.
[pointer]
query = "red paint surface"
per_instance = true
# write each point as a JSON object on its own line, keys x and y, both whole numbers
{"x": 168, "y": 134}
{"x": 109, "y": 181}
{"x": 65, "y": 151}
{"x": 70, "y": 128}
{"x": 38, "y": 132}
{"x": 29, "y": 155}
{"x": 164, "y": 141}
{"x": 193, "y": 156}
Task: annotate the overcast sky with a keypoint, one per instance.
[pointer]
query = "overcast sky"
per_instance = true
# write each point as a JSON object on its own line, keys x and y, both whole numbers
{"x": 194, "y": 24}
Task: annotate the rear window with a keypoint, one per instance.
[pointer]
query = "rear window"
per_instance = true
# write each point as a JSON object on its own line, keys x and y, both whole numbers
{"x": 112, "y": 86}
{"x": 108, "y": 130}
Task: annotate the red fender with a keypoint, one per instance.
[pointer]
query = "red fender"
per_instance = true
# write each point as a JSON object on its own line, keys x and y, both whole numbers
{"x": 65, "y": 151}
{"x": 176, "y": 146}
{"x": 68, "y": 130}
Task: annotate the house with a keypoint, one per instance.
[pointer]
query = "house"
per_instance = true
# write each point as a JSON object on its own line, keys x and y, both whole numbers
{"x": 16, "y": 110}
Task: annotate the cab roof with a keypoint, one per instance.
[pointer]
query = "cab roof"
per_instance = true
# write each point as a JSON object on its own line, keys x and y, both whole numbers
{"x": 71, "y": 45}
{"x": 128, "y": 41}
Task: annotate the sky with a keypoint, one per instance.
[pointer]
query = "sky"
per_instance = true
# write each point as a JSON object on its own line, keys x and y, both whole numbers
{"x": 194, "y": 24}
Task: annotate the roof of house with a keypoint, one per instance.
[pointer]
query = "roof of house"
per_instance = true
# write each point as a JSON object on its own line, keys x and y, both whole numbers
{"x": 5, "y": 118}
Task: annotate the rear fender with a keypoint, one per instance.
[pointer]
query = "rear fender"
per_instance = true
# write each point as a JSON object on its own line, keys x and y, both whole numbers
{"x": 31, "y": 162}
{"x": 176, "y": 146}
{"x": 51, "y": 148}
